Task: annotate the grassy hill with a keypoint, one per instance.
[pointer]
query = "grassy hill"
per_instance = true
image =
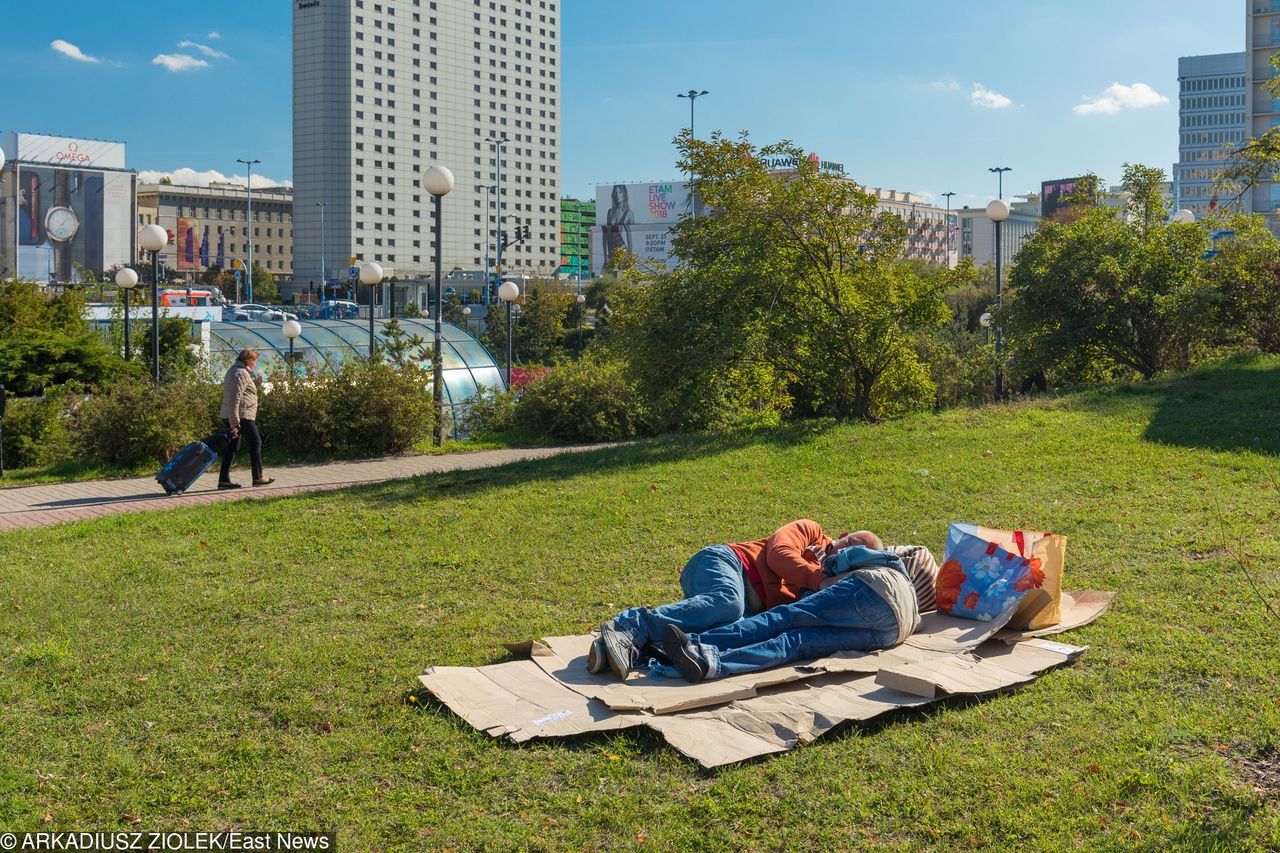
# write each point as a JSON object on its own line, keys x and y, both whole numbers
{"x": 246, "y": 665}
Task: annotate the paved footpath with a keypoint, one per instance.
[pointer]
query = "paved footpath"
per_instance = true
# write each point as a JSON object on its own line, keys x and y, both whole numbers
{"x": 33, "y": 506}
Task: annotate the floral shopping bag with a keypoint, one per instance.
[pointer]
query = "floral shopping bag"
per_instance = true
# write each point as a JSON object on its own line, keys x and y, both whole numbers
{"x": 981, "y": 580}
{"x": 1041, "y": 607}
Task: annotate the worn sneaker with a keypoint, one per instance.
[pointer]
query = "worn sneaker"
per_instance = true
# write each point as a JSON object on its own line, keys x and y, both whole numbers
{"x": 620, "y": 651}
{"x": 597, "y": 657}
{"x": 227, "y": 484}
{"x": 685, "y": 654}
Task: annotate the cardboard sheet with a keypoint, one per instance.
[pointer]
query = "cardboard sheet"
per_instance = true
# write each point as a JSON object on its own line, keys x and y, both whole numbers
{"x": 551, "y": 694}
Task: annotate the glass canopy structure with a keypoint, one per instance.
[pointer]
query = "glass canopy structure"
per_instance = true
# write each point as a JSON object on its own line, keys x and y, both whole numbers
{"x": 326, "y": 344}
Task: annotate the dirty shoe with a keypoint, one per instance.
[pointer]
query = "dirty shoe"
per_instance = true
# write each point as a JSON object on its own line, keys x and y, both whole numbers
{"x": 685, "y": 654}
{"x": 620, "y": 651}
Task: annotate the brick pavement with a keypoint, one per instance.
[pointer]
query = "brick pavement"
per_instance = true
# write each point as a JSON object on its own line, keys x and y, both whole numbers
{"x": 34, "y": 506}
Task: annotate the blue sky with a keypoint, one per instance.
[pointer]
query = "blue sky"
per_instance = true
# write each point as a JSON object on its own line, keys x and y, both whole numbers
{"x": 920, "y": 96}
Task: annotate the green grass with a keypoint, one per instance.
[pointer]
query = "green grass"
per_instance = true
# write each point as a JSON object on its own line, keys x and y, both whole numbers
{"x": 246, "y": 665}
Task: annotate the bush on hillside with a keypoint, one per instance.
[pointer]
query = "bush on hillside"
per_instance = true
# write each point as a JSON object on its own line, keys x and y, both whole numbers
{"x": 136, "y": 421}
{"x": 37, "y": 430}
{"x": 490, "y": 412}
{"x": 587, "y": 400}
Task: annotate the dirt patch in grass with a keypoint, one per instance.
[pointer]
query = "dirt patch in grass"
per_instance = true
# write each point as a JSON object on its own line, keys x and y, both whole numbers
{"x": 1201, "y": 556}
{"x": 1263, "y": 772}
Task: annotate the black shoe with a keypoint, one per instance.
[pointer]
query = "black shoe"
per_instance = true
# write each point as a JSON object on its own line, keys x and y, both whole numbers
{"x": 597, "y": 658}
{"x": 227, "y": 484}
{"x": 620, "y": 651}
{"x": 684, "y": 654}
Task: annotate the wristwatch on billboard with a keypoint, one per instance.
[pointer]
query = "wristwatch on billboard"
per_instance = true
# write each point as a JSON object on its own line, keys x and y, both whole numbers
{"x": 61, "y": 224}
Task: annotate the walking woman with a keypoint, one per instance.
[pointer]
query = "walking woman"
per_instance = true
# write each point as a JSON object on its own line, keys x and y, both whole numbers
{"x": 239, "y": 412}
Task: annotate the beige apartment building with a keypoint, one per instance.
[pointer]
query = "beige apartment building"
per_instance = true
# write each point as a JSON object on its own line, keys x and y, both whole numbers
{"x": 209, "y": 225}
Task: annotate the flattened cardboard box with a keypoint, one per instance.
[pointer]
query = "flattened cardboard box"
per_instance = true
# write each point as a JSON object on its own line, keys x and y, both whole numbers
{"x": 551, "y": 694}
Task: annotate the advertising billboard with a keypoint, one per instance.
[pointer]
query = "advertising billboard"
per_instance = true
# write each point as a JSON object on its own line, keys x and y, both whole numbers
{"x": 1053, "y": 195}
{"x": 59, "y": 222}
{"x": 637, "y": 219}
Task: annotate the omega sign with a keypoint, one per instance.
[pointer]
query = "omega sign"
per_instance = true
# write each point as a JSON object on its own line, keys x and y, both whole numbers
{"x": 73, "y": 156}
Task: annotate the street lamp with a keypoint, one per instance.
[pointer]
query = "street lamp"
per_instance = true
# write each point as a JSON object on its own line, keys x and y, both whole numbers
{"x": 497, "y": 141}
{"x": 985, "y": 322}
{"x": 508, "y": 293}
{"x": 248, "y": 225}
{"x": 152, "y": 238}
{"x": 581, "y": 300}
{"x": 324, "y": 282}
{"x": 1000, "y": 170}
{"x": 1183, "y": 216}
{"x": 126, "y": 280}
{"x": 371, "y": 274}
{"x": 466, "y": 317}
{"x": 947, "y": 196}
{"x": 998, "y": 211}
{"x": 692, "y": 95}
{"x": 292, "y": 328}
{"x": 438, "y": 181}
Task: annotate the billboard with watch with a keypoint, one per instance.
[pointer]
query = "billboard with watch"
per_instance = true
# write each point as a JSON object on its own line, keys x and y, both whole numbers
{"x": 62, "y": 224}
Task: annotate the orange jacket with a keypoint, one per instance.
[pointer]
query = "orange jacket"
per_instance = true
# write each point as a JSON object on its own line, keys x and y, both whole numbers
{"x": 786, "y": 561}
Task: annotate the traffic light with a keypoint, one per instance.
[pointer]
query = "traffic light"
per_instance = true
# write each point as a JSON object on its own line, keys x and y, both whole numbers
{"x": 502, "y": 239}
{"x": 525, "y": 234}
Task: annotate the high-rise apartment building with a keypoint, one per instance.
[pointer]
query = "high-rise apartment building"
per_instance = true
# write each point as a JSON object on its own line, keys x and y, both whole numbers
{"x": 1262, "y": 39}
{"x": 1211, "y": 124}
{"x": 383, "y": 89}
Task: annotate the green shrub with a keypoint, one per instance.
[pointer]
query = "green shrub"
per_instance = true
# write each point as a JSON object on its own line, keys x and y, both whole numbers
{"x": 490, "y": 412}
{"x": 362, "y": 410}
{"x": 37, "y": 429}
{"x": 587, "y": 400}
{"x": 136, "y": 421}
{"x": 39, "y": 359}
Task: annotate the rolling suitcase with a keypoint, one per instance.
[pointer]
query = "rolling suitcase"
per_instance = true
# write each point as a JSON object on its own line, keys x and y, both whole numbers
{"x": 190, "y": 462}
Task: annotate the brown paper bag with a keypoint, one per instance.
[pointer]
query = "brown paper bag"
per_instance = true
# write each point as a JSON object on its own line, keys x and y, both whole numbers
{"x": 1040, "y": 608}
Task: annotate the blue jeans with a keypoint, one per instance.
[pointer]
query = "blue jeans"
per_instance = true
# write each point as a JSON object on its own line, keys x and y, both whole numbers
{"x": 846, "y": 616}
{"x": 715, "y": 594}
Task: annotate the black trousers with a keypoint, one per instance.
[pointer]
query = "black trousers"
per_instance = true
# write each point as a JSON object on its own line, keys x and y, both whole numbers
{"x": 248, "y": 430}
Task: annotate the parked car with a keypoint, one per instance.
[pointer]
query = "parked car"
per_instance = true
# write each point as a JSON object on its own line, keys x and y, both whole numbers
{"x": 250, "y": 312}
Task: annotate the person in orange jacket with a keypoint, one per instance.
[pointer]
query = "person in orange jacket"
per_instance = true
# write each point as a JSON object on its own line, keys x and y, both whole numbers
{"x": 724, "y": 583}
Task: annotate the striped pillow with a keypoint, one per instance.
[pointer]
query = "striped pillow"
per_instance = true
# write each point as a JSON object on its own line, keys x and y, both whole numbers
{"x": 923, "y": 569}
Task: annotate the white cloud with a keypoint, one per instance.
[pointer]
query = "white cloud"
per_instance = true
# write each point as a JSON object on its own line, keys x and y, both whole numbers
{"x": 214, "y": 36}
{"x": 945, "y": 85}
{"x": 983, "y": 97}
{"x": 179, "y": 62}
{"x": 70, "y": 51}
{"x": 1117, "y": 97}
{"x": 205, "y": 49}
{"x": 187, "y": 177}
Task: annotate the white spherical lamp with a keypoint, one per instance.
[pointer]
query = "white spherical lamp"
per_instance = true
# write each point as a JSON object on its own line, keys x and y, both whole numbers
{"x": 370, "y": 273}
{"x": 437, "y": 180}
{"x": 153, "y": 238}
{"x": 466, "y": 311}
{"x": 998, "y": 210}
{"x": 1184, "y": 216}
{"x": 985, "y": 320}
{"x": 509, "y": 291}
{"x": 1, "y": 159}
{"x": 126, "y": 278}
{"x": 291, "y": 329}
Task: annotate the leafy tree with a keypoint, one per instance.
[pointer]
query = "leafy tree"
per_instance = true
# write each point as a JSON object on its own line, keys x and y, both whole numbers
{"x": 1146, "y": 205}
{"x": 178, "y": 358}
{"x": 1101, "y": 287}
{"x": 1245, "y": 273}
{"x": 452, "y": 310}
{"x": 265, "y": 291}
{"x": 794, "y": 288}
{"x": 539, "y": 335}
{"x": 45, "y": 341}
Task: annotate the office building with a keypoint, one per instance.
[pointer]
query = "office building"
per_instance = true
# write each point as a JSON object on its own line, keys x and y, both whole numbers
{"x": 383, "y": 89}
{"x": 66, "y": 208}
{"x": 577, "y": 218}
{"x": 978, "y": 233}
{"x": 1211, "y": 123}
{"x": 1262, "y": 40}
{"x": 209, "y": 225}
{"x": 926, "y": 225}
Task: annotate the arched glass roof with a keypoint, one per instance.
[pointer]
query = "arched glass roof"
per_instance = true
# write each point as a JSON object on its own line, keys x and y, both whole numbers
{"x": 325, "y": 344}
